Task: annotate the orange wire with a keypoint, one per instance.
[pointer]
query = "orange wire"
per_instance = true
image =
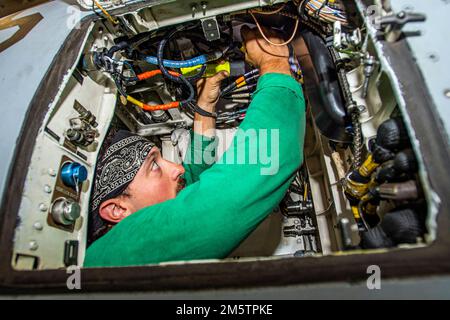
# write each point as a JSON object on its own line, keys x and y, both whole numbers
{"x": 150, "y": 74}
{"x": 144, "y": 106}
{"x": 166, "y": 106}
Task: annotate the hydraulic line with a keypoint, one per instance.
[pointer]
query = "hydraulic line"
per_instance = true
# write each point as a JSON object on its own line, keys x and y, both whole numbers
{"x": 241, "y": 81}
{"x": 160, "y": 60}
{"x": 200, "y": 60}
{"x": 245, "y": 88}
{"x": 171, "y": 105}
{"x": 238, "y": 95}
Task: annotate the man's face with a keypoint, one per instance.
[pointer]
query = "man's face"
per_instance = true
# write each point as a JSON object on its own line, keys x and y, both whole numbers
{"x": 156, "y": 181}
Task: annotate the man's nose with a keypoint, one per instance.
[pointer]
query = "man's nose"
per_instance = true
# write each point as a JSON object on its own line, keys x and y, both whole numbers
{"x": 176, "y": 170}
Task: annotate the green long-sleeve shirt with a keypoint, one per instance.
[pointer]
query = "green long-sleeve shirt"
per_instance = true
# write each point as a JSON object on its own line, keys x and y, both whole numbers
{"x": 222, "y": 202}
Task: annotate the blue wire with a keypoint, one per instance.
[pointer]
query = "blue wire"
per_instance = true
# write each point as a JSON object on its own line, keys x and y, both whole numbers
{"x": 178, "y": 64}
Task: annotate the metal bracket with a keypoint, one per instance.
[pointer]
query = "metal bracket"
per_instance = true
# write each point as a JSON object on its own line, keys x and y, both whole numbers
{"x": 211, "y": 28}
{"x": 394, "y": 23}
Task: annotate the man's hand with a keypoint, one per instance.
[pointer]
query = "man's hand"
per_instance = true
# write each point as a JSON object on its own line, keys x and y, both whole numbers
{"x": 208, "y": 90}
{"x": 263, "y": 55}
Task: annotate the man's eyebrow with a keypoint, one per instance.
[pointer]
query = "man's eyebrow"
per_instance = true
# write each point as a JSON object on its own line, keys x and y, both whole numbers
{"x": 150, "y": 158}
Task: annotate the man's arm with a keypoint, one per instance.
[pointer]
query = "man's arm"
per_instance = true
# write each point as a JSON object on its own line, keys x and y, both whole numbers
{"x": 199, "y": 157}
{"x": 202, "y": 147}
{"x": 211, "y": 217}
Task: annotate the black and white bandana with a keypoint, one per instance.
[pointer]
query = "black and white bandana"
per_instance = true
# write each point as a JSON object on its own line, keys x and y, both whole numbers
{"x": 118, "y": 166}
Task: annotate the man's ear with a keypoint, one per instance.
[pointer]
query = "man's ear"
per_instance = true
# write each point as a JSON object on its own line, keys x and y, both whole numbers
{"x": 113, "y": 210}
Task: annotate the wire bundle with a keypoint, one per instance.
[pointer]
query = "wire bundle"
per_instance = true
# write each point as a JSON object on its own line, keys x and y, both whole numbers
{"x": 146, "y": 107}
{"x": 243, "y": 80}
{"x": 324, "y": 11}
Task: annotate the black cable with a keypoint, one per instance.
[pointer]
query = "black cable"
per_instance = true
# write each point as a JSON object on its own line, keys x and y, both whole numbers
{"x": 160, "y": 53}
{"x": 119, "y": 85}
{"x": 199, "y": 74}
{"x": 191, "y": 91}
{"x": 179, "y": 79}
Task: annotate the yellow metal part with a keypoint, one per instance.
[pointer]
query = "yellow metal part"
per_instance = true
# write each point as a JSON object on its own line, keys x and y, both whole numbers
{"x": 356, "y": 189}
{"x": 368, "y": 167}
{"x": 355, "y": 212}
{"x": 211, "y": 69}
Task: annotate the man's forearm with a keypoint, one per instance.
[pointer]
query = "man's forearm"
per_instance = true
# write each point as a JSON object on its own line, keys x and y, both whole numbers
{"x": 205, "y": 126}
{"x": 275, "y": 66}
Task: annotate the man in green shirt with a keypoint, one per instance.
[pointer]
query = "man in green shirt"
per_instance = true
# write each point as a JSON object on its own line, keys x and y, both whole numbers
{"x": 155, "y": 219}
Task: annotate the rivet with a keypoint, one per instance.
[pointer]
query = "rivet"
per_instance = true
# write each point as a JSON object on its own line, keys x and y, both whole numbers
{"x": 43, "y": 207}
{"x": 51, "y": 172}
{"x": 33, "y": 245}
{"x": 38, "y": 226}
{"x": 447, "y": 93}
{"x": 47, "y": 189}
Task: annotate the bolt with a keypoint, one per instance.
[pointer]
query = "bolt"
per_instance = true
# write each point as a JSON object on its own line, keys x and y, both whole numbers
{"x": 299, "y": 240}
{"x": 38, "y": 226}
{"x": 361, "y": 108}
{"x": 296, "y": 221}
{"x": 193, "y": 9}
{"x": 33, "y": 245}
{"x": 43, "y": 207}
{"x": 204, "y": 6}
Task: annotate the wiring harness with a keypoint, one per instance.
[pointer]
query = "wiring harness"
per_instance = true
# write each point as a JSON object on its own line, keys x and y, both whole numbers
{"x": 328, "y": 11}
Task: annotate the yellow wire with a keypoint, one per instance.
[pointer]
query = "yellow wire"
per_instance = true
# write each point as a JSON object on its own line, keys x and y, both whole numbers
{"x": 105, "y": 12}
{"x": 135, "y": 102}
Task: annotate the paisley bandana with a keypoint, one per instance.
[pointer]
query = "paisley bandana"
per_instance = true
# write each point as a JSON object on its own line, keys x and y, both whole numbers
{"x": 118, "y": 166}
